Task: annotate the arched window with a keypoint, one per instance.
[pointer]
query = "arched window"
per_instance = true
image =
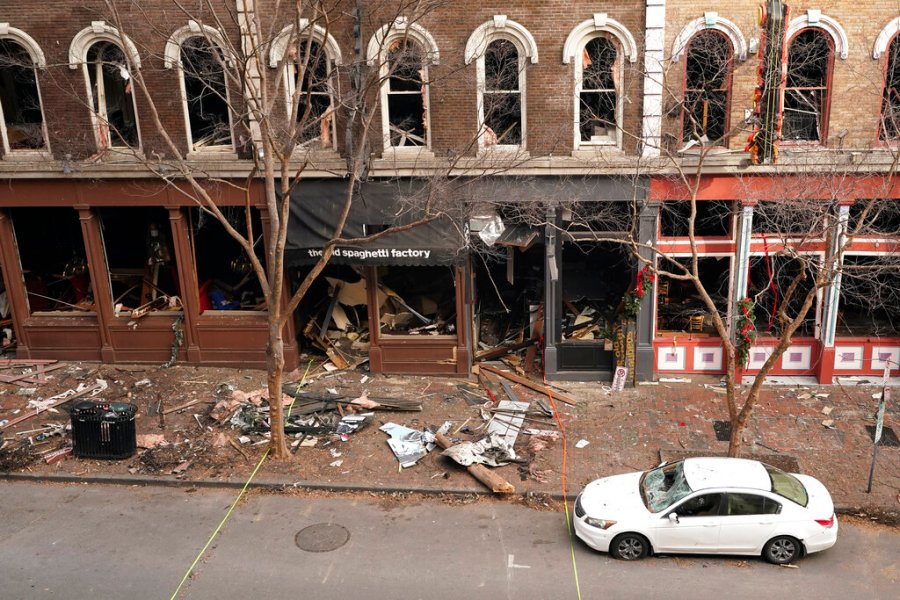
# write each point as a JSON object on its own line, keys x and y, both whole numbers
{"x": 890, "y": 104}
{"x": 21, "y": 115}
{"x": 406, "y": 92}
{"x": 707, "y": 87}
{"x": 309, "y": 56}
{"x": 598, "y": 81}
{"x": 502, "y": 94}
{"x": 806, "y": 92}
{"x": 404, "y": 51}
{"x": 205, "y": 92}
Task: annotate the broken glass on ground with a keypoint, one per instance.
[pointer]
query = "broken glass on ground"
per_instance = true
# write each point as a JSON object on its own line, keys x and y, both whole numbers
{"x": 492, "y": 451}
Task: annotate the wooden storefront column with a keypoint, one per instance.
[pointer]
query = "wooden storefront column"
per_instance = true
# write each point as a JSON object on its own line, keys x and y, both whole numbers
{"x": 16, "y": 296}
{"x": 376, "y": 359}
{"x": 99, "y": 274}
{"x": 187, "y": 281}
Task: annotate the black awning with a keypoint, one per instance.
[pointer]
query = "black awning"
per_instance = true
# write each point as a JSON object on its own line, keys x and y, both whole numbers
{"x": 316, "y": 206}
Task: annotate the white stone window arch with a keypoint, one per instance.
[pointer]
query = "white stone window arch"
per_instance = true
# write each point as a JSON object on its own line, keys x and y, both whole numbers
{"x": 204, "y": 86}
{"x": 710, "y": 20}
{"x": 502, "y": 106}
{"x": 884, "y": 38}
{"x": 319, "y": 84}
{"x": 814, "y": 18}
{"x": 403, "y": 51}
{"x": 598, "y": 47}
{"x": 107, "y": 66}
{"x": 23, "y": 128}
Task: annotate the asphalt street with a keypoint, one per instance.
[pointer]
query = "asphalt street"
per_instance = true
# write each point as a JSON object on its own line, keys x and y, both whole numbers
{"x": 98, "y": 542}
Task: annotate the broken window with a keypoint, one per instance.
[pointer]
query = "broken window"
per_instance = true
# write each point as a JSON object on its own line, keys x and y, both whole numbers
{"x": 870, "y": 297}
{"x": 713, "y": 218}
{"x": 680, "y": 308}
{"x": 502, "y": 94}
{"x": 770, "y": 280}
{"x": 407, "y": 111}
{"x": 594, "y": 278}
{"x": 206, "y": 94}
{"x": 806, "y": 96}
{"x": 418, "y": 300}
{"x": 606, "y": 218}
{"x": 890, "y": 103}
{"x": 601, "y": 72}
{"x": 797, "y": 217}
{"x": 7, "y": 332}
{"x": 224, "y": 273}
{"x": 143, "y": 273}
{"x": 706, "y": 88}
{"x": 21, "y": 117}
{"x": 53, "y": 259}
{"x": 112, "y": 96}
{"x": 311, "y": 74}
{"x": 882, "y": 218}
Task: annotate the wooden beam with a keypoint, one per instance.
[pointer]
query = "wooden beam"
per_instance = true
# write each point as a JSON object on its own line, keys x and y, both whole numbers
{"x": 27, "y": 416}
{"x": 491, "y": 480}
{"x": 532, "y": 385}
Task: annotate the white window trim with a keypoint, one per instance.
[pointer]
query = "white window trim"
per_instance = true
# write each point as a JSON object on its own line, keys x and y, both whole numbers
{"x": 884, "y": 38}
{"x": 402, "y": 28}
{"x": 333, "y": 56}
{"x": 501, "y": 28}
{"x": 815, "y": 18}
{"x": 710, "y": 20}
{"x": 99, "y": 31}
{"x": 580, "y": 35}
{"x": 40, "y": 62}
{"x": 172, "y": 60}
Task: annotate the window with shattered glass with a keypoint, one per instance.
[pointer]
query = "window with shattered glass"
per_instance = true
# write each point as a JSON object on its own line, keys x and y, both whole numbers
{"x": 502, "y": 96}
{"x": 206, "y": 95}
{"x": 806, "y": 93}
{"x": 601, "y": 68}
{"x": 112, "y": 96}
{"x": 406, "y": 94}
{"x": 706, "y": 88}
{"x": 21, "y": 117}
{"x": 664, "y": 486}
{"x": 311, "y": 74}
{"x": 890, "y": 103}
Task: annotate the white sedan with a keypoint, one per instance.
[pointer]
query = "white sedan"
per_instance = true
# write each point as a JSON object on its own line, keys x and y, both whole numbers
{"x": 707, "y": 506}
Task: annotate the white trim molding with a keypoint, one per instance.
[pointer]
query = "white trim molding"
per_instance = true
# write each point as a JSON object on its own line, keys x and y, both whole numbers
{"x": 100, "y": 31}
{"x": 710, "y": 20}
{"x": 884, "y": 38}
{"x": 815, "y": 18}
{"x": 599, "y": 23}
{"x": 497, "y": 27}
{"x": 319, "y": 34}
{"x": 26, "y": 41}
{"x": 172, "y": 56}
{"x": 399, "y": 28}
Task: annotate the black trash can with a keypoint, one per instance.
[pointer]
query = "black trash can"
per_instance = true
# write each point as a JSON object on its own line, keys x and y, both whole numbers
{"x": 103, "y": 429}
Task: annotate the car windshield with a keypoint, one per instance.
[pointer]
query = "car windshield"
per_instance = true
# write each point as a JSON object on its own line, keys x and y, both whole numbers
{"x": 787, "y": 486}
{"x": 664, "y": 486}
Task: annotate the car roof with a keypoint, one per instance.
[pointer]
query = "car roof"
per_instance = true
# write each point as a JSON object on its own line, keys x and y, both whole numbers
{"x": 704, "y": 473}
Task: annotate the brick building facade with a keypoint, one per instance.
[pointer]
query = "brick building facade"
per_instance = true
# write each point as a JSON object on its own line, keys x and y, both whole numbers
{"x": 93, "y": 223}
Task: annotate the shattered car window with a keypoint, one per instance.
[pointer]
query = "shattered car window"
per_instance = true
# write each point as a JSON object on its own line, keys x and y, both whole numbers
{"x": 664, "y": 486}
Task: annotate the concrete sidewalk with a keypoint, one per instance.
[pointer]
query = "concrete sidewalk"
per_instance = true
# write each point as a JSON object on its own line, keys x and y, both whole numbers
{"x": 625, "y": 431}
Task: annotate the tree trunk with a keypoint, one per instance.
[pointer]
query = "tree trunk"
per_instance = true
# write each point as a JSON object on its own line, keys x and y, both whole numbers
{"x": 275, "y": 369}
{"x": 739, "y": 424}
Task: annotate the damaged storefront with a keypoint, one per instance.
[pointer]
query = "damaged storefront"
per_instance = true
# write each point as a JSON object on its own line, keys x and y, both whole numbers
{"x": 397, "y": 301}
{"x": 130, "y": 271}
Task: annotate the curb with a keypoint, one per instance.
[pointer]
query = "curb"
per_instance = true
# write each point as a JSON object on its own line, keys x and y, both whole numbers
{"x": 131, "y": 480}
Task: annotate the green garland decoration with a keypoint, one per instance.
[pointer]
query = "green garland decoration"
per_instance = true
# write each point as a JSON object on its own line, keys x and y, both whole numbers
{"x": 631, "y": 302}
{"x": 746, "y": 330}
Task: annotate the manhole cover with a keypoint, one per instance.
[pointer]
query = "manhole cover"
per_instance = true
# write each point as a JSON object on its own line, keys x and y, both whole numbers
{"x": 322, "y": 537}
{"x": 888, "y": 437}
{"x": 723, "y": 430}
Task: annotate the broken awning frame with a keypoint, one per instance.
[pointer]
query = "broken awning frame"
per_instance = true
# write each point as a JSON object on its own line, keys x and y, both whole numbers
{"x": 316, "y": 206}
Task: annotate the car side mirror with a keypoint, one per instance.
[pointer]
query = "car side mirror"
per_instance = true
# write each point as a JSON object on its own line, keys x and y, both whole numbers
{"x": 674, "y": 517}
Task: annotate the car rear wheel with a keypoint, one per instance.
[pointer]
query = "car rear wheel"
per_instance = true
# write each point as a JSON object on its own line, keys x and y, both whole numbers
{"x": 629, "y": 546}
{"x": 781, "y": 550}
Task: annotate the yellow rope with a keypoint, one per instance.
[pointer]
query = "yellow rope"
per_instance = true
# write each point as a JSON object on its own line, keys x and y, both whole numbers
{"x": 221, "y": 524}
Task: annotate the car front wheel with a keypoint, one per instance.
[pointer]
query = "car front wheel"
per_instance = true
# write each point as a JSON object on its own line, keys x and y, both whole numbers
{"x": 629, "y": 546}
{"x": 781, "y": 550}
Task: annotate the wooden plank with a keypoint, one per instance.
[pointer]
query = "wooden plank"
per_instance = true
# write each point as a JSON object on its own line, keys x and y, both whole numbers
{"x": 27, "y": 416}
{"x": 532, "y": 385}
{"x": 32, "y": 377}
{"x": 182, "y": 406}
{"x": 491, "y": 480}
